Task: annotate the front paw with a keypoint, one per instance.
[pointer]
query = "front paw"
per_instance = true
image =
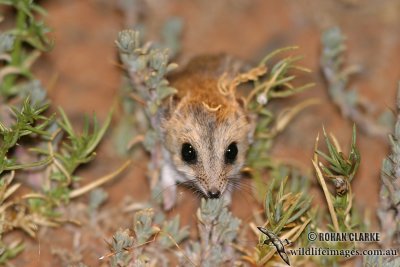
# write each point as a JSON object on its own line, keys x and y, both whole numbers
{"x": 227, "y": 197}
{"x": 169, "y": 198}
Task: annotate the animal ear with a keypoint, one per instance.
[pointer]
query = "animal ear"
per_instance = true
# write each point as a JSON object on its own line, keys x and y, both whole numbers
{"x": 169, "y": 108}
{"x": 165, "y": 114}
{"x": 250, "y": 117}
{"x": 241, "y": 102}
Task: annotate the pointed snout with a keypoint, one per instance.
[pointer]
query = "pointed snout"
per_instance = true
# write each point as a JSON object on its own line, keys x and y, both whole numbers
{"x": 213, "y": 193}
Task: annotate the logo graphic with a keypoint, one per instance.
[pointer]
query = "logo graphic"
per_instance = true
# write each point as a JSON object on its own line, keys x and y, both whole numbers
{"x": 277, "y": 243}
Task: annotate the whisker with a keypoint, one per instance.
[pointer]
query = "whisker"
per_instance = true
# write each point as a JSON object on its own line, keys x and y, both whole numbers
{"x": 243, "y": 185}
{"x": 246, "y": 192}
{"x": 237, "y": 183}
{"x": 176, "y": 184}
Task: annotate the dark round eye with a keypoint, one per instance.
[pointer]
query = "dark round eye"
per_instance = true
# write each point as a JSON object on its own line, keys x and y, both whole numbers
{"x": 188, "y": 153}
{"x": 231, "y": 153}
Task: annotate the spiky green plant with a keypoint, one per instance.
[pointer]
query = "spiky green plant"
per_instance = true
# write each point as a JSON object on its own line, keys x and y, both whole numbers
{"x": 54, "y": 158}
{"x": 389, "y": 210}
{"x": 146, "y": 68}
{"x": 217, "y": 229}
{"x": 378, "y": 261}
{"x": 337, "y": 75}
{"x": 340, "y": 171}
{"x": 287, "y": 214}
{"x": 28, "y": 31}
{"x": 148, "y": 242}
{"x": 269, "y": 84}
{"x": 38, "y": 151}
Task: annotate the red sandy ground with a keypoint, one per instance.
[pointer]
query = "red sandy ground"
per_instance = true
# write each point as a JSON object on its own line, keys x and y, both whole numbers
{"x": 88, "y": 79}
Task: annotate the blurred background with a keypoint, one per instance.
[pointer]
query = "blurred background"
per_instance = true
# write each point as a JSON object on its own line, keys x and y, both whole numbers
{"x": 83, "y": 75}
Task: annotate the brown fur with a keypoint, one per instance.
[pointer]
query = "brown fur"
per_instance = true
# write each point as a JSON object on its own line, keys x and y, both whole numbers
{"x": 198, "y": 86}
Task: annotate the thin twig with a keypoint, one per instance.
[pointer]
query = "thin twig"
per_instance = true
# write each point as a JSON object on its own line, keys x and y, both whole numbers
{"x": 327, "y": 196}
{"x": 82, "y": 190}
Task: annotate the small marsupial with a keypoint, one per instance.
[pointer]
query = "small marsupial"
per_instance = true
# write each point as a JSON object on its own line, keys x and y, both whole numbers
{"x": 206, "y": 131}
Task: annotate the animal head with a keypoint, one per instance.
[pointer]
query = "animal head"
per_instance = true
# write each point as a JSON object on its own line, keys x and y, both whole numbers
{"x": 208, "y": 142}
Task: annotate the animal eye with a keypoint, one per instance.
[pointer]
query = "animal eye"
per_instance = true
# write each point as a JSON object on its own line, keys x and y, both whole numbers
{"x": 231, "y": 153}
{"x": 188, "y": 153}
